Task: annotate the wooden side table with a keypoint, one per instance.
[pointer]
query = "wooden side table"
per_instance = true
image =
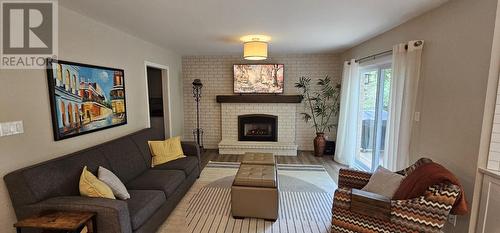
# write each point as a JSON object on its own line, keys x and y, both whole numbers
{"x": 60, "y": 221}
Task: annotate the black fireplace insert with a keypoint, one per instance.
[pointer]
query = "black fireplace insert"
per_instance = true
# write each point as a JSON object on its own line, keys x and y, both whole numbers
{"x": 258, "y": 127}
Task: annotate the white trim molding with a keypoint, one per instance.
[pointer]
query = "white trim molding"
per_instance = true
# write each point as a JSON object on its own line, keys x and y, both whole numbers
{"x": 166, "y": 89}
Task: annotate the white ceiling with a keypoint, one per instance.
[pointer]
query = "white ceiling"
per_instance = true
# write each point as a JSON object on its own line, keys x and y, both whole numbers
{"x": 212, "y": 27}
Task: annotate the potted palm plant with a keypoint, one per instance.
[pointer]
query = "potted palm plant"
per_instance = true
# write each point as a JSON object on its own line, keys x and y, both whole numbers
{"x": 323, "y": 103}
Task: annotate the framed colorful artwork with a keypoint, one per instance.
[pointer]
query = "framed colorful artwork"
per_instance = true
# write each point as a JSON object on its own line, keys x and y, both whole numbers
{"x": 85, "y": 98}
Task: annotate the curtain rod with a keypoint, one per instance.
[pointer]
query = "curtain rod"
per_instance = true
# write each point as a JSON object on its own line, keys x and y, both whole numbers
{"x": 372, "y": 57}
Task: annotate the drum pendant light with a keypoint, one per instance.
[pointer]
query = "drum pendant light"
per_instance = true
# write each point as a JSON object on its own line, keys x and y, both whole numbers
{"x": 255, "y": 47}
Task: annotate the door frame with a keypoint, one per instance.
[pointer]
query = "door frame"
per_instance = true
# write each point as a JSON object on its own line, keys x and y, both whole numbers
{"x": 167, "y": 105}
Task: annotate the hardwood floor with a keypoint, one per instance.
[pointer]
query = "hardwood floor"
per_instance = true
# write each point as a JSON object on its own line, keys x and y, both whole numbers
{"x": 303, "y": 157}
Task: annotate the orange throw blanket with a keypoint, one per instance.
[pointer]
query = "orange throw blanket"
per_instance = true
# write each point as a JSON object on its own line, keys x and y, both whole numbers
{"x": 426, "y": 175}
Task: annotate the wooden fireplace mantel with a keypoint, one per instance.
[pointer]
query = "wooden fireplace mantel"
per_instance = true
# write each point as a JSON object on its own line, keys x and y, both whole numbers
{"x": 259, "y": 98}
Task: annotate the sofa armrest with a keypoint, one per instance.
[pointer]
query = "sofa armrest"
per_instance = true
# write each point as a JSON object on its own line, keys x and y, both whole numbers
{"x": 112, "y": 215}
{"x": 427, "y": 213}
{"x": 370, "y": 204}
{"x": 342, "y": 198}
{"x": 349, "y": 178}
{"x": 191, "y": 149}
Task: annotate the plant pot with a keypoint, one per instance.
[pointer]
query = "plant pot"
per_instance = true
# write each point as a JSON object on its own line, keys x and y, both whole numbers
{"x": 319, "y": 144}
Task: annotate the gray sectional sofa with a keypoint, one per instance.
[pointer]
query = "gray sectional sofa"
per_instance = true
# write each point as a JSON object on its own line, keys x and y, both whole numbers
{"x": 154, "y": 191}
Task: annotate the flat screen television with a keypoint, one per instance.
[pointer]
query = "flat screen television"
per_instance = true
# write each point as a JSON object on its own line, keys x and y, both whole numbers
{"x": 258, "y": 78}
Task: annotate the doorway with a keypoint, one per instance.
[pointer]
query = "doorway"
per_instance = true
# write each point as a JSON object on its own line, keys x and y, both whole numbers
{"x": 158, "y": 98}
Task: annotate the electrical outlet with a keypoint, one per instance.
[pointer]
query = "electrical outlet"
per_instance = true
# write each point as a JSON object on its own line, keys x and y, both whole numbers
{"x": 452, "y": 219}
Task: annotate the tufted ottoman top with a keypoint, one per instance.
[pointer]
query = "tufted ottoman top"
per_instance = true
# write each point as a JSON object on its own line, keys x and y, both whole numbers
{"x": 258, "y": 158}
{"x": 254, "y": 175}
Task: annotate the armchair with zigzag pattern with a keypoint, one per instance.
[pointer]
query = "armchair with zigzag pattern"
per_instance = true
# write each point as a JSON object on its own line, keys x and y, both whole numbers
{"x": 358, "y": 211}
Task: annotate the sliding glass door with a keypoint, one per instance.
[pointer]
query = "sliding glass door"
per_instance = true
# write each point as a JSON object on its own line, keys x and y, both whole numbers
{"x": 375, "y": 86}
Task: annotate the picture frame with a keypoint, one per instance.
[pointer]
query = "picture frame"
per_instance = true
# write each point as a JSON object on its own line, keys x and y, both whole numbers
{"x": 250, "y": 84}
{"x": 85, "y": 98}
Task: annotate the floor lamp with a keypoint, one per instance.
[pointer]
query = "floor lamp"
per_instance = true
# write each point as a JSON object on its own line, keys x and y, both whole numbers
{"x": 198, "y": 132}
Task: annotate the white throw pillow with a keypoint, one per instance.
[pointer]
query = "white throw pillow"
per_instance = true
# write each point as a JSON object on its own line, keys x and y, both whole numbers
{"x": 384, "y": 182}
{"x": 116, "y": 185}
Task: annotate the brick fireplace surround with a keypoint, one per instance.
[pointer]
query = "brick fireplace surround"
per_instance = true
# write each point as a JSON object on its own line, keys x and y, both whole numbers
{"x": 285, "y": 144}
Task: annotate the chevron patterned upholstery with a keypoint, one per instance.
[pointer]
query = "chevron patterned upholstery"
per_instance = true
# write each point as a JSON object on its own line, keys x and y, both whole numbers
{"x": 426, "y": 213}
{"x": 353, "y": 179}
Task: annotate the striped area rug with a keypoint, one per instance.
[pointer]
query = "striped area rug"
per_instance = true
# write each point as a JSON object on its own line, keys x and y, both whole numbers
{"x": 305, "y": 203}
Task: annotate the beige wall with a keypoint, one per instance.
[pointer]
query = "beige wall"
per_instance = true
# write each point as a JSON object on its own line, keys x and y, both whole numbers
{"x": 216, "y": 74}
{"x": 456, "y": 60}
{"x": 24, "y": 96}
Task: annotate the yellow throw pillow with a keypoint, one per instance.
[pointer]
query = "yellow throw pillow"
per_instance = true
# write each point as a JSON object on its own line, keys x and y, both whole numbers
{"x": 165, "y": 151}
{"x": 90, "y": 186}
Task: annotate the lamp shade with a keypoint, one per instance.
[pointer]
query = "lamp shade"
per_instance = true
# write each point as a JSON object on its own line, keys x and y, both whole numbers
{"x": 255, "y": 50}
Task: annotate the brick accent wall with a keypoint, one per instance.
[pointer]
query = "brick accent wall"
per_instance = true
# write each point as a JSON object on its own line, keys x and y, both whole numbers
{"x": 216, "y": 74}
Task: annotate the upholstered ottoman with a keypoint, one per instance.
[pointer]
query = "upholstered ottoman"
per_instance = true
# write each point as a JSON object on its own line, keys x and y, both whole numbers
{"x": 258, "y": 158}
{"x": 254, "y": 192}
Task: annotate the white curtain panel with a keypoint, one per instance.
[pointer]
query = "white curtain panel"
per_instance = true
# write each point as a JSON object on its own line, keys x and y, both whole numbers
{"x": 406, "y": 64}
{"x": 348, "y": 117}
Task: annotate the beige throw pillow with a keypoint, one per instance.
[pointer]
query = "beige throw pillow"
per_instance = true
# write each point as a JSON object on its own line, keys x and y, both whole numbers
{"x": 383, "y": 182}
{"x": 116, "y": 185}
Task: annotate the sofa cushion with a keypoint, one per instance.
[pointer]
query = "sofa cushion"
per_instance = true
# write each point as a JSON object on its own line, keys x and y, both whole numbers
{"x": 125, "y": 158}
{"x": 141, "y": 139}
{"x": 143, "y": 204}
{"x": 60, "y": 176}
{"x": 186, "y": 164}
{"x": 165, "y": 180}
